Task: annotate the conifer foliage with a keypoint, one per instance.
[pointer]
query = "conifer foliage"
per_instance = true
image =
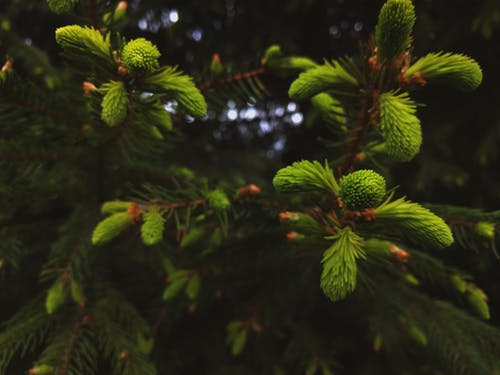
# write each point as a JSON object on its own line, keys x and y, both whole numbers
{"x": 147, "y": 254}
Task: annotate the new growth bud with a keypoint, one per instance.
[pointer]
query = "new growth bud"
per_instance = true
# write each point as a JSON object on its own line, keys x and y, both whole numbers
{"x": 114, "y": 103}
{"x": 485, "y": 229}
{"x": 140, "y": 56}
{"x": 218, "y": 200}
{"x": 88, "y": 88}
{"x": 362, "y": 189}
{"x": 394, "y": 28}
{"x": 152, "y": 228}
{"x": 61, "y": 6}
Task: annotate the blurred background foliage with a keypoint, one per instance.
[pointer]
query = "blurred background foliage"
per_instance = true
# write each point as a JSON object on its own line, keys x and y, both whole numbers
{"x": 459, "y": 161}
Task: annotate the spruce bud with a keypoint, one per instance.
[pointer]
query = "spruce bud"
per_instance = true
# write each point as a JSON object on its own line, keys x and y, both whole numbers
{"x": 416, "y": 223}
{"x": 485, "y": 229}
{"x": 56, "y": 296}
{"x": 394, "y": 27}
{"x": 114, "y": 103}
{"x": 140, "y": 56}
{"x": 218, "y": 200}
{"x": 362, "y": 189}
{"x": 152, "y": 228}
{"x": 478, "y": 301}
{"x": 216, "y": 67}
{"x": 61, "y": 6}
{"x": 115, "y": 206}
{"x": 400, "y": 126}
{"x": 455, "y": 70}
{"x": 77, "y": 293}
{"x": 41, "y": 370}
{"x": 111, "y": 227}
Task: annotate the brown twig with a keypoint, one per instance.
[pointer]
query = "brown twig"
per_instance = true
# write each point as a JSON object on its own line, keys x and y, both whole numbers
{"x": 354, "y": 144}
{"x": 34, "y": 108}
{"x": 234, "y": 78}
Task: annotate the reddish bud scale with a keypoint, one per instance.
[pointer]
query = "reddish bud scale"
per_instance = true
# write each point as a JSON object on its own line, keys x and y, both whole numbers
{"x": 249, "y": 190}
{"x": 293, "y": 236}
{"x": 288, "y": 216}
{"x": 360, "y": 156}
{"x": 253, "y": 189}
{"x": 216, "y": 58}
{"x": 418, "y": 78}
{"x": 368, "y": 214}
{"x": 401, "y": 255}
{"x": 88, "y": 87}
{"x": 116, "y": 57}
{"x": 134, "y": 211}
{"x": 373, "y": 62}
{"x": 340, "y": 203}
{"x": 122, "y": 70}
{"x": 351, "y": 215}
{"x": 8, "y": 65}
{"x": 122, "y": 5}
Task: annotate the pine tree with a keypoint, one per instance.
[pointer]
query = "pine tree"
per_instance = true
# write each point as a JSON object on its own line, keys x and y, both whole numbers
{"x": 125, "y": 251}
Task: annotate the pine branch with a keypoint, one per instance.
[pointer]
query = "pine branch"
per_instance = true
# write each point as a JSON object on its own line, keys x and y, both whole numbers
{"x": 354, "y": 142}
{"x": 473, "y": 228}
{"x": 69, "y": 256}
{"x": 72, "y": 349}
{"x": 24, "y": 332}
{"x": 235, "y": 77}
{"x": 118, "y": 346}
{"x": 28, "y": 98}
{"x": 462, "y": 345}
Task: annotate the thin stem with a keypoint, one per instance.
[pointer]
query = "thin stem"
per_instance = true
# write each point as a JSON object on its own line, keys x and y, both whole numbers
{"x": 234, "y": 78}
{"x": 92, "y": 11}
{"x": 354, "y": 144}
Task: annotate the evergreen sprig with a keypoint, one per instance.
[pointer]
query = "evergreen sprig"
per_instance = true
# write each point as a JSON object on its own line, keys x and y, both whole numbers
{"x": 331, "y": 75}
{"x": 274, "y": 58}
{"x": 330, "y": 108}
{"x": 153, "y": 226}
{"x": 61, "y": 6}
{"x": 53, "y": 139}
{"x": 455, "y": 70}
{"x": 24, "y": 332}
{"x": 119, "y": 347}
{"x": 114, "y": 103}
{"x": 180, "y": 87}
{"x": 111, "y": 227}
{"x": 400, "y": 126}
{"x": 82, "y": 42}
{"x": 472, "y": 228}
{"x": 338, "y": 277}
{"x": 71, "y": 350}
{"x": 394, "y": 27}
{"x": 303, "y": 176}
{"x": 415, "y": 223}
